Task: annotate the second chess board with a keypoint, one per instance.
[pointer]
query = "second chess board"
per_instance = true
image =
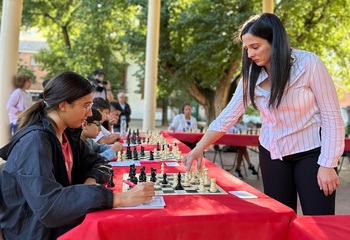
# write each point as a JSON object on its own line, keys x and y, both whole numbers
{"x": 169, "y": 189}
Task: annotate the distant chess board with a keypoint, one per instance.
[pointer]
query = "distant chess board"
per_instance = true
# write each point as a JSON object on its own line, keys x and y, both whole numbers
{"x": 157, "y": 156}
{"x": 169, "y": 189}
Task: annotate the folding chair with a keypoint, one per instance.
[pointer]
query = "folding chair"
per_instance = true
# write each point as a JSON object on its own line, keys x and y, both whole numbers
{"x": 346, "y": 154}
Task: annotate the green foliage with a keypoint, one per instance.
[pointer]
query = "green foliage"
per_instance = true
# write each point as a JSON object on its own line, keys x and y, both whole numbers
{"x": 83, "y": 35}
{"x": 322, "y": 27}
{"x": 22, "y": 69}
{"x": 197, "y": 57}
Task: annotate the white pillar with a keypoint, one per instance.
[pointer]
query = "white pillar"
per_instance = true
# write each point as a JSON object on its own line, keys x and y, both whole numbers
{"x": 151, "y": 67}
{"x": 9, "y": 40}
{"x": 267, "y": 6}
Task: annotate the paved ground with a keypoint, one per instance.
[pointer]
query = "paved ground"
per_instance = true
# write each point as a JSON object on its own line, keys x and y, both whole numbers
{"x": 343, "y": 192}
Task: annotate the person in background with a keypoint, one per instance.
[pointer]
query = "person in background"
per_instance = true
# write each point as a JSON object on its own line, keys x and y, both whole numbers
{"x": 52, "y": 179}
{"x": 242, "y": 151}
{"x": 183, "y": 121}
{"x": 90, "y": 129}
{"x": 126, "y": 111}
{"x": 19, "y": 100}
{"x": 105, "y": 136}
{"x": 102, "y": 87}
{"x": 113, "y": 116}
{"x": 302, "y": 132}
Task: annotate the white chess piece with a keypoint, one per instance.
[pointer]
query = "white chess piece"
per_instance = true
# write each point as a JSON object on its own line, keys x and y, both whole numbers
{"x": 187, "y": 180}
{"x": 119, "y": 156}
{"x": 162, "y": 168}
{"x": 213, "y": 185}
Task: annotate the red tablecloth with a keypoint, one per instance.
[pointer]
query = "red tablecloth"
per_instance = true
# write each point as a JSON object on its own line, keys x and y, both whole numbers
{"x": 229, "y": 139}
{"x": 320, "y": 227}
{"x": 347, "y": 144}
{"x": 191, "y": 216}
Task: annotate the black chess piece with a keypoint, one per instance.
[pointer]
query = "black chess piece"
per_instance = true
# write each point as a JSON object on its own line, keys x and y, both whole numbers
{"x": 142, "y": 177}
{"x": 165, "y": 181}
{"x": 179, "y": 186}
{"x": 142, "y": 153}
{"x": 153, "y": 175}
{"x": 132, "y": 172}
{"x": 151, "y": 156}
{"x": 128, "y": 153}
{"x": 135, "y": 154}
{"x": 111, "y": 183}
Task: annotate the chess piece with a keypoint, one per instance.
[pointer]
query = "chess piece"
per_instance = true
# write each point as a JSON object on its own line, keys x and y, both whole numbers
{"x": 165, "y": 181}
{"x": 142, "y": 153}
{"x": 213, "y": 185}
{"x": 151, "y": 156}
{"x": 142, "y": 176}
{"x": 119, "y": 156}
{"x": 111, "y": 183}
{"x": 179, "y": 186}
{"x": 162, "y": 168}
{"x": 206, "y": 178}
{"x": 153, "y": 175}
{"x": 187, "y": 180}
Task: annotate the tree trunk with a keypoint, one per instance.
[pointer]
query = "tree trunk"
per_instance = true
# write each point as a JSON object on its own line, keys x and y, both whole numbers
{"x": 214, "y": 101}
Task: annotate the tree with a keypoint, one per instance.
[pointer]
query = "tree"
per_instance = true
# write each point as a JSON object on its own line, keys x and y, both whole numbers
{"x": 197, "y": 55}
{"x": 83, "y": 35}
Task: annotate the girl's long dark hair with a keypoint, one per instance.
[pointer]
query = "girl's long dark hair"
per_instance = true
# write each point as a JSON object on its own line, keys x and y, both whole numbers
{"x": 67, "y": 86}
{"x": 269, "y": 27}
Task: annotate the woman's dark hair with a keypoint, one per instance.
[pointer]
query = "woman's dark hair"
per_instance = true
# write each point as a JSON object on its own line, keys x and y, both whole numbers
{"x": 183, "y": 107}
{"x": 65, "y": 87}
{"x": 96, "y": 116}
{"x": 269, "y": 27}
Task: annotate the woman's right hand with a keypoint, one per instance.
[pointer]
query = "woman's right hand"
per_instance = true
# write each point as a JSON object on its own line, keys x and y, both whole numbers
{"x": 141, "y": 193}
{"x": 195, "y": 154}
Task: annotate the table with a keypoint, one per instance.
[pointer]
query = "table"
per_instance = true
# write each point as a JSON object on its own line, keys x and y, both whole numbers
{"x": 320, "y": 227}
{"x": 229, "y": 139}
{"x": 191, "y": 216}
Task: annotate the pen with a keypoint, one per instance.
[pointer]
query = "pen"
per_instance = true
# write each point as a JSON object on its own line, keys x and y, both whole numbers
{"x": 131, "y": 184}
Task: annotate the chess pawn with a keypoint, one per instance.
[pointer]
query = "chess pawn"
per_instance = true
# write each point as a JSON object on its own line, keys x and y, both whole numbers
{"x": 187, "y": 180}
{"x": 162, "y": 168}
{"x": 193, "y": 179}
{"x": 201, "y": 188}
{"x": 206, "y": 178}
{"x": 119, "y": 157}
{"x": 213, "y": 185}
{"x": 179, "y": 155}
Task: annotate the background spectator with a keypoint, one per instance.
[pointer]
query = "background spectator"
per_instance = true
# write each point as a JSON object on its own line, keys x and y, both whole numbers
{"x": 126, "y": 111}
{"x": 91, "y": 128}
{"x": 102, "y": 87}
{"x": 19, "y": 100}
{"x": 183, "y": 121}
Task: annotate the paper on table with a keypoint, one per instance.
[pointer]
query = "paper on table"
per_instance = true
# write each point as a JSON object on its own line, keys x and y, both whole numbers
{"x": 157, "y": 202}
{"x": 172, "y": 164}
{"x": 243, "y": 194}
{"x": 124, "y": 163}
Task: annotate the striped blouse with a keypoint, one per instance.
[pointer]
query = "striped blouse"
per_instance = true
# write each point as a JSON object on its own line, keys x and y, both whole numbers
{"x": 310, "y": 103}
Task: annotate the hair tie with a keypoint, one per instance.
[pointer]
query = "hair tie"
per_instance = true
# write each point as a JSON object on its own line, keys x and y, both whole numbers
{"x": 46, "y": 103}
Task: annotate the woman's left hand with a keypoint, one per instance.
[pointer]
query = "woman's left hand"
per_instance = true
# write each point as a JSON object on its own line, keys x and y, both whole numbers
{"x": 328, "y": 180}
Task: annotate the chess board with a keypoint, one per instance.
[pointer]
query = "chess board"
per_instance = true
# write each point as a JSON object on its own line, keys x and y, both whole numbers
{"x": 157, "y": 156}
{"x": 169, "y": 189}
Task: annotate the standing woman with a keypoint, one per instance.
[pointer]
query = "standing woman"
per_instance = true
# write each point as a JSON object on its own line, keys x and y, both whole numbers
{"x": 302, "y": 134}
{"x": 51, "y": 178}
{"x": 19, "y": 100}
